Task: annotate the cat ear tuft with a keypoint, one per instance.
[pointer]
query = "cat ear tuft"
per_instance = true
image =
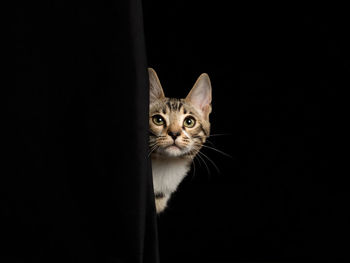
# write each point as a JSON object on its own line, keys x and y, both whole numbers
{"x": 200, "y": 95}
{"x": 155, "y": 88}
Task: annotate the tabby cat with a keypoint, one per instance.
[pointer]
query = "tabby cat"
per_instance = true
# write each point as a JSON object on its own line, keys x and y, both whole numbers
{"x": 178, "y": 129}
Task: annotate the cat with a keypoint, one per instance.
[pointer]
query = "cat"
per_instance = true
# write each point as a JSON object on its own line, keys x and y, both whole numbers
{"x": 177, "y": 130}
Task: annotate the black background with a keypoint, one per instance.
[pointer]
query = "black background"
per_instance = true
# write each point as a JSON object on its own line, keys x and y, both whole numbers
{"x": 278, "y": 75}
{"x": 76, "y": 125}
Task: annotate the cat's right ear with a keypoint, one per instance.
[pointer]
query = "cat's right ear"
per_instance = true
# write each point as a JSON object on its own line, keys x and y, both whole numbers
{"x": 155, "y": 89}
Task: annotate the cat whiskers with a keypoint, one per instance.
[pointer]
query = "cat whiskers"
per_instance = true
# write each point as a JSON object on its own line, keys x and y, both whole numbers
{"x": 201, "y": 158}
{"x": 197, "y": 154}
{"x": 210, "y": 160}
{"x": 217, "y": 150}
{"x": 194, "y": 167}
{"x": 220, "y": 134}
{"x": 210, "y": 142}
{"x": 153, "y": 148}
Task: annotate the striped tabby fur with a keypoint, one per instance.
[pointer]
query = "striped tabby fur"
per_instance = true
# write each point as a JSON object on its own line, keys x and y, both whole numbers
{"x": 177, "y": 130}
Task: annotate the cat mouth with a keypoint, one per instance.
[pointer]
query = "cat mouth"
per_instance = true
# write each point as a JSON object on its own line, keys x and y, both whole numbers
{"x": 174, "y": 145}
{"x": 173, "y": 150}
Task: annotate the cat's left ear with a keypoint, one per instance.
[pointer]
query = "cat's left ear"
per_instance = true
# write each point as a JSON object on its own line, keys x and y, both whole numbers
{"x": 200, "y": 95}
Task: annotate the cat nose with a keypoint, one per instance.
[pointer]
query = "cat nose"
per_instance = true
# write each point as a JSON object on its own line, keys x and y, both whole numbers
{"x": 174, "y": 135}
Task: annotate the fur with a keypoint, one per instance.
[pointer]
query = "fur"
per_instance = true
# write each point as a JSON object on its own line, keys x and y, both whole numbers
{"x": 178, "y": 129}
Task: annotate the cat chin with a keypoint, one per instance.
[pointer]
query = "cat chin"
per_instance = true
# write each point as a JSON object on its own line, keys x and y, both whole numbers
{"x": 172, "y": 151}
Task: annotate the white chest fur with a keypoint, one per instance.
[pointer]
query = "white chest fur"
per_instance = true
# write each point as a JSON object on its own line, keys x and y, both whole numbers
{"x": 168, "y": 173}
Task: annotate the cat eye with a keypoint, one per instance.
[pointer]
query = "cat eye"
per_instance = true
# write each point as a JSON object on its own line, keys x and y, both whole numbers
{"x": 158, "y": 120}
{"x": 189, "y": 122}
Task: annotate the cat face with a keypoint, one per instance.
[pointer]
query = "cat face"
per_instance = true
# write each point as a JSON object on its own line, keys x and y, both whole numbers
{"x": 179, "y": 127}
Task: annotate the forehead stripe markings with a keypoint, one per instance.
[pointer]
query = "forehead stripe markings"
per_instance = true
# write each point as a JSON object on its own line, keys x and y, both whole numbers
{"x": 180, "y": 105}
{"x": 174, "y": 105}
{"x": 169, "y": 106}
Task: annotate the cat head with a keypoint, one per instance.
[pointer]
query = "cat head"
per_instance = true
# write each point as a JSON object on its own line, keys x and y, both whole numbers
{"x": 179, "y": 127}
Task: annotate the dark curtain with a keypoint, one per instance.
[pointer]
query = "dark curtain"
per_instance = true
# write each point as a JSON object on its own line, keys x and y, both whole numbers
{"x": 76, "y": 181}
